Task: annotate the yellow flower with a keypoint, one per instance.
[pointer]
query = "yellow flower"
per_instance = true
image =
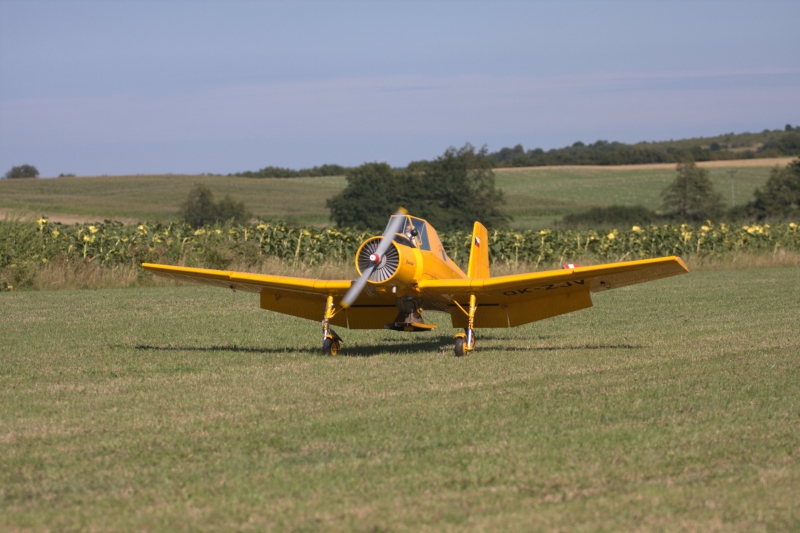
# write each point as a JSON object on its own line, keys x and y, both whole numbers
{"x": 55, "y": 233}
{"x": 637, "y": 229}
{"x": 93, "y": 229}
{"x": 217, "y": 231}
{"x": 261, "y": 227}
{"x": 611, "y": 236}
{"x": 792, "y": 225}
{"x": 754, "y": 229}
{"x": 87, "y": 238}
{"x": 44, "y": 260}
{"x": 201, "y": 231}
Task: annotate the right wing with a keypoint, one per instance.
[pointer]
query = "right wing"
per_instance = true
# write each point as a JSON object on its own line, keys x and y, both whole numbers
{"x": 507, "y": 301}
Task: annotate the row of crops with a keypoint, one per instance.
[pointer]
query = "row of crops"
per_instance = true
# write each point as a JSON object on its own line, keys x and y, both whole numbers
{"x": 112, "y": 243}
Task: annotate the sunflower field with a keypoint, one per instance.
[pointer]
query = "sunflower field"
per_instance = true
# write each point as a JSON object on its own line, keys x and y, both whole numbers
{"x": 26, "y": 245}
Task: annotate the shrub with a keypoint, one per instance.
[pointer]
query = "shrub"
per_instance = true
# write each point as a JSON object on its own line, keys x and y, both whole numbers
{"x": 199, "y": 209}
{"x": 22, "y": 171}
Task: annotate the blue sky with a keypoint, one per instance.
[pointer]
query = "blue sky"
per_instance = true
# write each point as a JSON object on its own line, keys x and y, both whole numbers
{"x": 121, "y": 87}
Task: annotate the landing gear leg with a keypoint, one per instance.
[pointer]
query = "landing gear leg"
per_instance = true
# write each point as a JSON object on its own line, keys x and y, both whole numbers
{"x": 465, "y": 342}
{"x": 331, "y": 342}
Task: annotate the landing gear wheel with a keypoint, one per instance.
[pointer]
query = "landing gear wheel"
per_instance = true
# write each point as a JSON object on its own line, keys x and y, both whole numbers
{"x": 330, "y": 346}
{"x": 461, "y": 344}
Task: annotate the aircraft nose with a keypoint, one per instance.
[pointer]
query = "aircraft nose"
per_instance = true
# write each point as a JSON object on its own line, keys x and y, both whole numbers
{"x": 374, "y": 259}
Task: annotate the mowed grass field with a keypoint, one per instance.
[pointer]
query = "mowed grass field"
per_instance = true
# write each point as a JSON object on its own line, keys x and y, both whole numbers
{"x": 535, "y": 196}
{"x": 669, "y": 406}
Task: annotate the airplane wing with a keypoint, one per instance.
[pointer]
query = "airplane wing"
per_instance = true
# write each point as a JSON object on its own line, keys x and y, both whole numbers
{"x": 301, "y": 297}
{"x": 508, "y": 301}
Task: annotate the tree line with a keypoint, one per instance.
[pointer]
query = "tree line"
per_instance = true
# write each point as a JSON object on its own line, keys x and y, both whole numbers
{"x": 775, "y": 144}
{"x": 730, "y": 146}
{"x": 281, "y": 172}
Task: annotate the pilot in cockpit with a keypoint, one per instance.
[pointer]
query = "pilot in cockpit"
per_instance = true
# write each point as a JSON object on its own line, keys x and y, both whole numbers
{"x": 408, "y": 231}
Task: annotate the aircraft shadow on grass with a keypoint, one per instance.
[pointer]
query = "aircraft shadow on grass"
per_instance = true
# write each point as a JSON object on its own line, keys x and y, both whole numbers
{"x": 438, "y": 344}
{"x": 431, "y": 345}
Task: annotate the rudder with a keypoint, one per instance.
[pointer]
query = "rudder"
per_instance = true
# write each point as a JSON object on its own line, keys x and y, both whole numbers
{"x": 479, "y": 253}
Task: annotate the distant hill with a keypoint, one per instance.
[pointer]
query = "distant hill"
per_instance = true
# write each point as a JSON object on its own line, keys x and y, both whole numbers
{"x": 535, "y": 196}
{"x": 729, "y": 146}
{"x": 725, "y": 147}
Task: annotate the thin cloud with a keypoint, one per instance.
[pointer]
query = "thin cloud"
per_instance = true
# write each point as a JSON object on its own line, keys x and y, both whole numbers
{"x": 473, "y": 105}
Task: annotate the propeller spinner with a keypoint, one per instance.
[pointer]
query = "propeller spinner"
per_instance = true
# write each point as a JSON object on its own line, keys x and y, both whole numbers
{"x": 377, "y": 259}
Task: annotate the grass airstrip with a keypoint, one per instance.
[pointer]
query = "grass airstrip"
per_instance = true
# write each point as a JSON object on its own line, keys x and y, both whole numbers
{"x": 669, "y": 406}
{"x": 535, "y": 196}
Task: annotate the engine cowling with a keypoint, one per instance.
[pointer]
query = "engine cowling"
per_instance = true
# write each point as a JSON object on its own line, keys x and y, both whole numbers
{"x": 397, "y": 266}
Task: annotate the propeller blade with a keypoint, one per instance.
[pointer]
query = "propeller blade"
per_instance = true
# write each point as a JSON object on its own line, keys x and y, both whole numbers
{"x": 395, "y": 225}
{"x": 356, "y": 287}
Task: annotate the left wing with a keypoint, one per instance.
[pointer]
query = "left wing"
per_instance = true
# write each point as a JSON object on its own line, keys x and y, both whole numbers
{"x": 508, "y": 301}
{"x": 301, "y": 297}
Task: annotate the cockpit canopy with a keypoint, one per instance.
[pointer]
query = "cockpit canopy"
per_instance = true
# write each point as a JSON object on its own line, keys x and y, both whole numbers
{"x": 415, "y": 233}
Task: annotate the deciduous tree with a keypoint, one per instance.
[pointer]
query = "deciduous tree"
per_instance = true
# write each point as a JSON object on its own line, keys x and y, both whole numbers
{"x": 780, "y": 198}
{"x": 691, "y": 197}
{"x": 451, "y": 192}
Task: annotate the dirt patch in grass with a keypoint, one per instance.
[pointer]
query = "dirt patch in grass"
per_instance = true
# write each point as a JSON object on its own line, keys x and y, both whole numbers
{"x": 16, "y": 214}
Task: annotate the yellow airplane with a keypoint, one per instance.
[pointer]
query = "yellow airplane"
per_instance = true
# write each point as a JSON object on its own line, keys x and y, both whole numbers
{"x": 406, "y": 271}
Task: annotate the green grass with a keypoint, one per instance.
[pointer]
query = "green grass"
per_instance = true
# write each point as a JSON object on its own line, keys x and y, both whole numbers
{"x": 299, "y": 200}
{"x": 669, "y": 406}
{"x": 535, "y": 197}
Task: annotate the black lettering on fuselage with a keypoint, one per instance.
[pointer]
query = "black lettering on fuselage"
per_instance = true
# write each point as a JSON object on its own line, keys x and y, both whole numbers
{"x": 551, "y": 286}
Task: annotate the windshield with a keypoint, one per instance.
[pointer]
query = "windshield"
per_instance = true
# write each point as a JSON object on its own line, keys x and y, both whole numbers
{"x": 422, "y": 232}
{"x": 422, "y": 238}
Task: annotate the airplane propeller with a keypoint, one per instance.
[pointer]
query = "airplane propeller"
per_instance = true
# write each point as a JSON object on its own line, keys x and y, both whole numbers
{"x": 395, "y": 226}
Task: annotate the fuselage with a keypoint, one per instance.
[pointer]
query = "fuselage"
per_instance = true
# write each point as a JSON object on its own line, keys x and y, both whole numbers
{"x": 416, "y": 254}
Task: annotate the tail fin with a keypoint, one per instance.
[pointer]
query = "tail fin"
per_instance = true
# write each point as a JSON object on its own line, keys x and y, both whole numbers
{"x": 479, "y": 253}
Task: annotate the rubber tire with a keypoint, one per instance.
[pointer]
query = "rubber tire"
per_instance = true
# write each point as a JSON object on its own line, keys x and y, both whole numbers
{"x": 330, "y": 347}
{"x": 461, "y": 344}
